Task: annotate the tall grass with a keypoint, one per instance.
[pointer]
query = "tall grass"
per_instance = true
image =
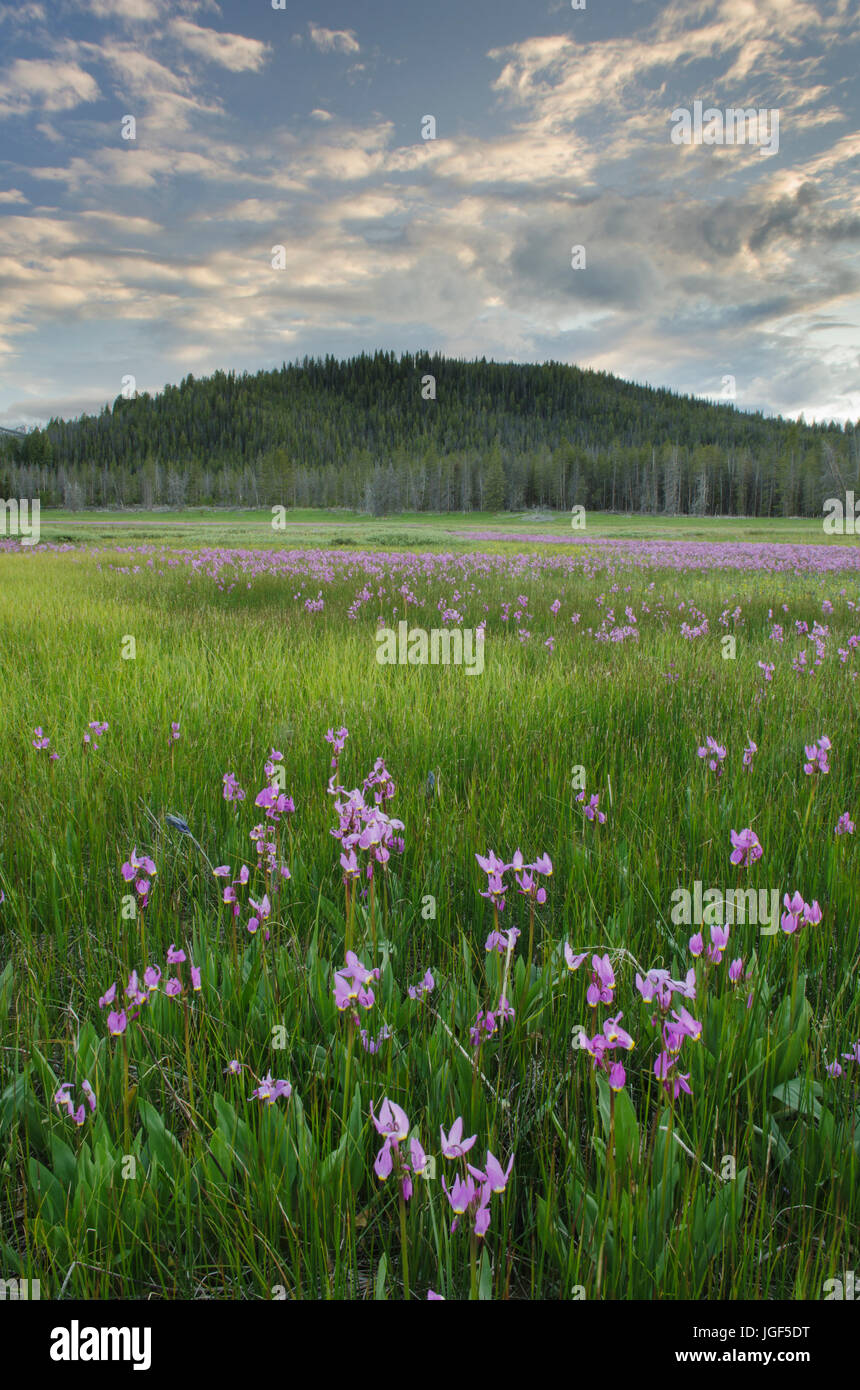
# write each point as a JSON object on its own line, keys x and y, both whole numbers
{"x": 182, "y": 1185}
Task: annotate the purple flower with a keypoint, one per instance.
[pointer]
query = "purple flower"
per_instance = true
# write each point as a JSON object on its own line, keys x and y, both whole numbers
{"x": 746, "y": 848}
{"x": 719, "y": 942}
{"x": 617, "y": 1077}
{"x": 816, "y": 754}
{"x": 571, "y": 961}
{"x": 461, "y": 1194}
{"x": 494, "y": 1176}
{"x": 615, "y": 1035}
{"x": 232, "y": 790}
{"x": 262, "y": 912}
{"x": 687, "y": 1025}
{"x": 454, "y": 1146}
{"x": 591, "y": 810}
{"x": 845, "y": 825}
{"x": 132, "y": 867}
{"x": 392, "y": 1122}
{"x": 715, "y": 753}
{"x": 425, "y": 986}
{"x": 269, "y": 1090}
{"x": 117, "y": 1023}
{"x": 501, "y": 941}
{"x": 602, "y": 982}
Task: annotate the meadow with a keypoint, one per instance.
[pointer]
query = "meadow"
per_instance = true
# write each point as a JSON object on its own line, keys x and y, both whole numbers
{"x": 283, "y": 928}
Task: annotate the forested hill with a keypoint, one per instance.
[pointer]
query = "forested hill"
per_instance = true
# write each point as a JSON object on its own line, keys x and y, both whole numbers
{"x": 383, "y": 433}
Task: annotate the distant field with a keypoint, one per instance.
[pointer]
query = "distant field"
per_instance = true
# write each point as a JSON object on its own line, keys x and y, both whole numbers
{"x": 717, "y": 1158}
{"x": 254, "y": 527}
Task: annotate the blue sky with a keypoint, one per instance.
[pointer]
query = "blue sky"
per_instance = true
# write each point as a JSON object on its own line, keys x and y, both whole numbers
{"x": 302, "y": 127}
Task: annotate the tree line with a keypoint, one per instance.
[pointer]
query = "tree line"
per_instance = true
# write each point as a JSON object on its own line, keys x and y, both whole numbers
{"x": 420, "y": 432}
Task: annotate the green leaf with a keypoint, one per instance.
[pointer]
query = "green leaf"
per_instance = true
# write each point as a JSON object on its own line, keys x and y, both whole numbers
{"x": 162, "y": 1144}
{"x": 65, "y": 1163}
{"x": 799, "y": 1095}
{"x": 5, "y": 991}
{"x": 485, "y": 1278}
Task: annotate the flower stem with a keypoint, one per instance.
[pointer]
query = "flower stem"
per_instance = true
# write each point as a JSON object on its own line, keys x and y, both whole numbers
{"x": 404, "y": 1247}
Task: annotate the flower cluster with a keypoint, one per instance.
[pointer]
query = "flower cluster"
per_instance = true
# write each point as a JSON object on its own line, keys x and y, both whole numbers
{"x": 96, "y": 728}
{"x": 424, "y": 986}
{"x": 269, "y": 1090}
{"x": 601, "y": 1046}
{"x": 835, "y": 1069}
{"x": 41, "y": 743}
{"x": 666, "y": 1067}
{"x": 140, "y": 869}
{"x": 351, "y": 985}
{"x": 798, "y": 914}
{"x": 232, "y": 790}
{"x": 715, "y": 753}
{"x": 489, "y": 1021}
{"x": 472, "y": 1189}
{"x": 719, "y": 942}
{"x": 602, "y": 987}
{"x": 524, "y": 873}
{"x": 591, "y": 809}
{"x": 139, "y": 991}
{"x": 393, "y": 1125}
{"x": 816, "y": 756}
{"x": 745, "y": 848}
{"x": 63, "y": 1098}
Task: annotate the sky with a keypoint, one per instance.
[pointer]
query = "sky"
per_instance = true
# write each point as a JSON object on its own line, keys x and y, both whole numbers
{"x": 721, "y": 269}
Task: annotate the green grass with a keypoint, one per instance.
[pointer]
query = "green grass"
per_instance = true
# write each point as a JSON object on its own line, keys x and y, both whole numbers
{"x": 181, "y": 1185}
{"x": 253, "y": 527}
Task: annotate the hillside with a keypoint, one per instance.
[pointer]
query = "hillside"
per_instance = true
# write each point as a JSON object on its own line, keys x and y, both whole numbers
{"x": 363, "y": 434}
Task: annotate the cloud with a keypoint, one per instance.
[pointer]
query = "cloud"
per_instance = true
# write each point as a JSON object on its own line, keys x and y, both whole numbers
{"x": 333, "y": 40}
{"x": 700, "y": 261}
{"x": 46, "y": 85}
{"x": 12, "y": 195}
{"x": 23, "y": 14}
{"x": 232, "y": 51}
{"x": 124, "y": 9}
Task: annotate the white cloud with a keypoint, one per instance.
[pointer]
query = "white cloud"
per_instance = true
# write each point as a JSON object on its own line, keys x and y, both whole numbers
{"x": 334, "y": 40}
{"x": 124, "y": 9}
{"x": 44, "y": 84}
{"x": 23, "y": 14}
{"x": 232, "y": 51}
